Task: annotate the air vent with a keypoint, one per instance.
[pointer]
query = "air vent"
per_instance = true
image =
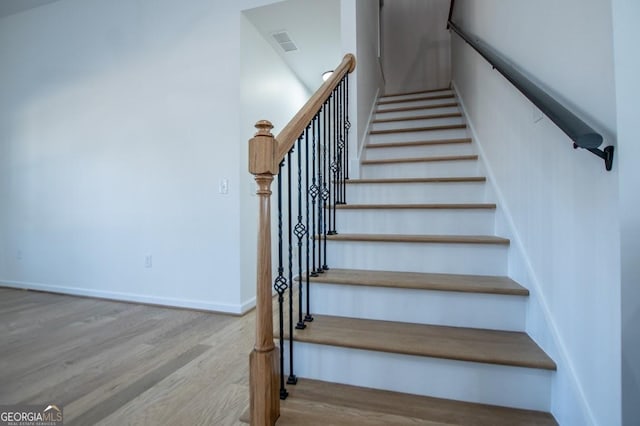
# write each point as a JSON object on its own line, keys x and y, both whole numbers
{"x": 283, "y": 39}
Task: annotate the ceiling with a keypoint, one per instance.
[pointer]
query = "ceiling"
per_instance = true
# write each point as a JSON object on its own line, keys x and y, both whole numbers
{"x": 11, "y": 7}
{"x": 314, "y": 27}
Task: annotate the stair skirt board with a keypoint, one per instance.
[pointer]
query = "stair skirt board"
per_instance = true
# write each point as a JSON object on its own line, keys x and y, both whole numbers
{"x": 419, "y": 135}
{"x": 417, "y": 221}
{"x": 508, "y": 386}
{"x": 480, "y": 259}
{"x": 462, "y": 167}
{"x": 416, "y": 192}
{"x": 457, "y": 309}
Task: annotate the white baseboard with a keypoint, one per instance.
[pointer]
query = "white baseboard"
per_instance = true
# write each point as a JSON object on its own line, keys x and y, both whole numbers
{"x": 538, "y": 300}
{"x": 226, "y": 308}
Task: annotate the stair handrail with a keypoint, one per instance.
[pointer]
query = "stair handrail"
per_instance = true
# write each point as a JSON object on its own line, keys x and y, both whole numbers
{"x": 581, "y": 133}
{"x": 266, "y": 154}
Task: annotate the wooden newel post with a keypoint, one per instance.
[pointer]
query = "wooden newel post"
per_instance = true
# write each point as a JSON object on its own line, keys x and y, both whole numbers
{"x": 264, "y": 359}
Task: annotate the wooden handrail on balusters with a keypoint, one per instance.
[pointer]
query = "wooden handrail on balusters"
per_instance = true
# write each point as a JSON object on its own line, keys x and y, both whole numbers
{"x": 265, "y": 154}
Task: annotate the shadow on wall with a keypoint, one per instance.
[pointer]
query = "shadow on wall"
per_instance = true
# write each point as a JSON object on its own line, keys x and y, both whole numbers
{"x": 431, "y": 65}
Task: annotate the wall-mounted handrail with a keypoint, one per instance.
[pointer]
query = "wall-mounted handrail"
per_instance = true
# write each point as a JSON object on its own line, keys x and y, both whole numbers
{"x": 583, "y": 135}
{"x": 312, "y": 184}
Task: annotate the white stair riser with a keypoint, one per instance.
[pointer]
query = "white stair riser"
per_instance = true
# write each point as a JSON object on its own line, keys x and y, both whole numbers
{"x": 481, "y": 259}
{"x": 415, "y": 103}
{"x": 464, "y": 168}
{"x": 419, "y": 151}
{"x": 456, "y": 309}
{"x": 417, "y": 123}
{"x": 418, "y": 136}
{"x": 416, "y": 112}
{"x": 414, "y": 221}
{"x": 449, "y": 192}
{"x": 466, "y": 381}
{"x": 416, "y": 95}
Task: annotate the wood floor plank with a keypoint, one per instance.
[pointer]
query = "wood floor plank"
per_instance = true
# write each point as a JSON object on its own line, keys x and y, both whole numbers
{"x": 134, "y": 389}
{"x": 423, "y": 281}
{"x": 455, "y": 343}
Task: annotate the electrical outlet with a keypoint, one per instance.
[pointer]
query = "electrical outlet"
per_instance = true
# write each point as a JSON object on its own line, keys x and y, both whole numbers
{"x": 148, "y": 261}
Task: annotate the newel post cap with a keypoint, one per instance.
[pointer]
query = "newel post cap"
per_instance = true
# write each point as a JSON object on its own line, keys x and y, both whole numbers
{"x": 263, "y": 149}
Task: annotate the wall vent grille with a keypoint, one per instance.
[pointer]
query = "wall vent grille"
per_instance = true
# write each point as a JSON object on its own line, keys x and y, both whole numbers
{"x": 285, "y": 42}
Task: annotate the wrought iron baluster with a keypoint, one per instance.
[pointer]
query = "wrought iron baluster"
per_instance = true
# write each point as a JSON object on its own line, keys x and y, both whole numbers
{"x": 347, "y": 126}
{"x": 343, "y": 157}
{"x": 280, "y": 285}
{"x": 308, "y": 190}
{"x": 300, "y": 230}
{"x": 314, "y": 190}
{"x": 334, "y": 162}
{"x": 326, "y": 194}
{"x": 292, "y": 379}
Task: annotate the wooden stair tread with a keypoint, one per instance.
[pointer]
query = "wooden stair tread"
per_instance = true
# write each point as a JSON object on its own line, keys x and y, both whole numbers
{"x": 400, "y": 238}
{"x": 419, "y": 92}
{"x": 418, "y": 129}
{"x": 456, "y": 343}
{"x": 424, "y": 98}
{"x": 318, "y": 403}
{"x": 419, "y": 117}
{"x": 417, "y": 143}
{"x": 488, "y": 284}
{"x": 415, "y": 108}
{"x": 422, "y": 159}
{"x": 423, "y": 206}
{"x": 416, "y": 180}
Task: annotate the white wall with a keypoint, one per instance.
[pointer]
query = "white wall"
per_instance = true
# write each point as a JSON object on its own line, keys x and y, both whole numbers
{"x": 359, "y": 28}
{"x": 626, "y": 33}
{"x": 118, "y": 121}
{"x": 264, "y": 79}
{"x": 559, "y": 206}
{"x": 416, "y": 45}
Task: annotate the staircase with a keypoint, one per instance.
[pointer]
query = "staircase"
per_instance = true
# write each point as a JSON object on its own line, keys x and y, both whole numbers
{"x": 417, "y": 322}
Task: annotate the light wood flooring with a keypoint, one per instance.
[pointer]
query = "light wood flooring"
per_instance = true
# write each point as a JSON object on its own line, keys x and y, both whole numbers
{"x": 111, "y": 363}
